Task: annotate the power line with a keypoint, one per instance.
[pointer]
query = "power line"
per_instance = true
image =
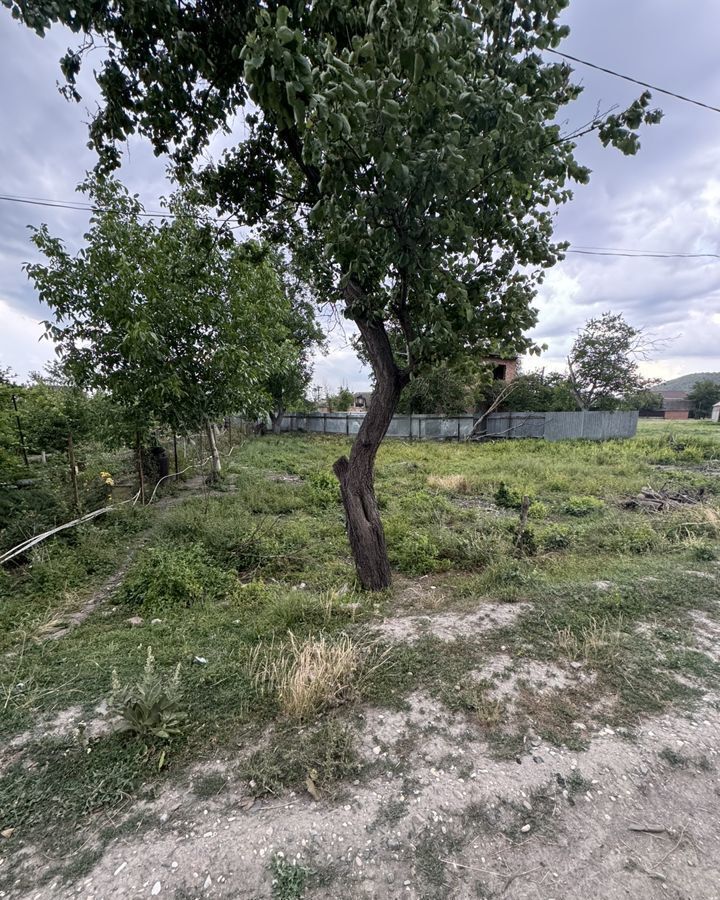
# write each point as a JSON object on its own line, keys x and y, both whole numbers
{"x": 652, "y": 87}
{"x": 84, "y": 207}
{"x": 587, "y": 251}
{"x": 640, "y": 254}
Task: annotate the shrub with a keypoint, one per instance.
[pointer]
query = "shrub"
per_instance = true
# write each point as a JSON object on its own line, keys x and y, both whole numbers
{"x": 324, "y": 489}
{"x": 510, "y": 498}
{"x": 582, "y": 506}
{"x": 414, "y": 553}
{"x": 151, "y": 707}
{"x": 166, "y": 578}
{"x": 537, "y": 510}
{"x": 507, "y": 497}
{"x": 701, "y": 551}
{"x": 554, "y": 537}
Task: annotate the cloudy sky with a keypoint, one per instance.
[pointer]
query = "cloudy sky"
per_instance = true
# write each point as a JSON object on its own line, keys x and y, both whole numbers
{"x": 665, "y": 199}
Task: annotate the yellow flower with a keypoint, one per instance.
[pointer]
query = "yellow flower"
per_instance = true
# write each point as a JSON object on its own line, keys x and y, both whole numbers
{"x": 107, "y": 478}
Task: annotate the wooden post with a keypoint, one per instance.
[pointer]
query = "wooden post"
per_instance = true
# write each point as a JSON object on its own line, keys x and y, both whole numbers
{"x": 141, "y": 474}
{"x": 73, "y": 472}
{"x": 20, "y": 431}
{"x": 177, "y": 467}
{"x": 229, "y": 431}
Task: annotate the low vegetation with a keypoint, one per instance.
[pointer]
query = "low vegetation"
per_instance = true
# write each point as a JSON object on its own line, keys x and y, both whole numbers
{"x": 250, "y": 589}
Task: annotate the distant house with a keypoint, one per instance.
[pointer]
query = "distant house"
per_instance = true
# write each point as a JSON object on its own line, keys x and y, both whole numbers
{"x": 361, "y": 401}
{"x": 503, "y": 369}
{"x": 676, "y": 408}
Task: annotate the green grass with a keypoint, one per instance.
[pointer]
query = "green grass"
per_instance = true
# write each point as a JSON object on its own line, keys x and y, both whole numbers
{"x": 265, "y": 556}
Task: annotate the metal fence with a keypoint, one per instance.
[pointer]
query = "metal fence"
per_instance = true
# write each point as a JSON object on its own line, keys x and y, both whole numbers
{"x": 550, "y": 426}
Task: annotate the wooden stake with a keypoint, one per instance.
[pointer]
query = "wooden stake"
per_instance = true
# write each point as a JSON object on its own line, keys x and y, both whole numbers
{"x": 177, "y": 468}
{"x": 73, "y": 472}
{"x": 141, "y": 475}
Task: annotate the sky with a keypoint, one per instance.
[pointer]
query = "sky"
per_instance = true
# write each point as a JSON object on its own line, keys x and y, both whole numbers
{"x": 667, "y": 198}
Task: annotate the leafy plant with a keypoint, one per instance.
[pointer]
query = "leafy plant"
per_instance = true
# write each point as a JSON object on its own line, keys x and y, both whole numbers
{"x": 582, "y": 506}
{"x": 166, "y": 578}
{"x": 150, "y": 708}
{"x": 508, "y": 497}
{"x": 324, "y": 489}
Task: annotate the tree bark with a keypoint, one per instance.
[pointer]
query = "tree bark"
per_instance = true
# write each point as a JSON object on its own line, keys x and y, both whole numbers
{"x": 355, "y": 474}
{"x": 276, "y": 420}
{"x": 216, "y": 464}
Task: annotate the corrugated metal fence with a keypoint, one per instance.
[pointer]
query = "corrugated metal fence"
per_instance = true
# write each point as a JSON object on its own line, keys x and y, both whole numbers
{"x": 551, "y": 426}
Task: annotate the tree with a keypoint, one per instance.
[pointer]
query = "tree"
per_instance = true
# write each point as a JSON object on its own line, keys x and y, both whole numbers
{"x": 535, "y": 392}
{"x": 291, "y": 366}
{"x": 176, "y": 321}
{"x": 603, "y": 362}
{"x": 342, "y": 401}
{"x": 447, "y": 389}
{"x": 409, "y": 150}
{"x": 643, "y": 399}
{"x": 704, "y": 395}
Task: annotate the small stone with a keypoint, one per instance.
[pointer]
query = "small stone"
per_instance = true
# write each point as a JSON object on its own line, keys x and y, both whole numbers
{"x": 156, "y": 621}
{"x": 576, "y": 665}
{"x": 208, "y": 883}
{"x": 525, "y": 828}
{"x": 134, "y": 621}
{"x": 376, "y": 750}
{"x": 199, "y": 660}
{"x": 579, "y": 726}
{"x": 155, "y": 889}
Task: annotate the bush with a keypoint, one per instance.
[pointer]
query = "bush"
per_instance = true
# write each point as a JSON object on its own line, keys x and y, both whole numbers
{"x": 554, "y": 537}
{"x": 511, "y": 498}
{"x": 165, "y": 578}
{"x": 582, "y": 506}
{"x": 324, "y": 489}
{"x": 414, "y": 553}
{"x": 151, "y": 707}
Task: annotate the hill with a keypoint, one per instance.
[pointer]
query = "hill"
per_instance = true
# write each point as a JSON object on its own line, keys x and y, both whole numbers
{"x": 687, "y": 382}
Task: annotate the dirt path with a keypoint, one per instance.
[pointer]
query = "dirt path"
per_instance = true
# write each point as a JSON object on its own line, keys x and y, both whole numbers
{"x": 440, "y": 817}
{"x": 62, "y": 626}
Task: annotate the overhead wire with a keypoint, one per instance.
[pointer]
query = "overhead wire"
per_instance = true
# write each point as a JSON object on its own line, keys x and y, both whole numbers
{"x": 645, "y": 84}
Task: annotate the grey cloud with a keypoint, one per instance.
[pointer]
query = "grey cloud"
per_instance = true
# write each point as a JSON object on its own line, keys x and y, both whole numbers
{"x": 667, "y": 198}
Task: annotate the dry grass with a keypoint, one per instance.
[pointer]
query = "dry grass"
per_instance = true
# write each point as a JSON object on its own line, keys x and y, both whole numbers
{"x": 591, "y": 641}
{"x": 454, "y": 484}
{"x": 315, "y": 674}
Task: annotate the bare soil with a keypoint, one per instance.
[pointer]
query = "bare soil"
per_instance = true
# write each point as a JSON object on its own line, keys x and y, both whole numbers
{"x": 632, "y": 816}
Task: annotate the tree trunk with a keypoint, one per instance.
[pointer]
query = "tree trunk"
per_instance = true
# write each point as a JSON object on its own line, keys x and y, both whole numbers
{"x": 276, "y": 420}
{"x": 355, "y": 474}
{"x": 216, "y": 465}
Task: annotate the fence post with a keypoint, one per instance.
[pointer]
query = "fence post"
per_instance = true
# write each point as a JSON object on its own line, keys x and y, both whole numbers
{"x": 73, "y": 472}
{"x": 177, "y": 467}
{"x": 458, "y": 429}
{"x": 324, "y": 423}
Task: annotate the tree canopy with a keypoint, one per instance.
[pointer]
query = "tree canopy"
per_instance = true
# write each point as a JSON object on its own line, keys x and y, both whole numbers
{"x": 176, "y": 320}
{"x": 410, "y": 151}
{"x": 603, "y": 362}
{"x": 704, "y": 395}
